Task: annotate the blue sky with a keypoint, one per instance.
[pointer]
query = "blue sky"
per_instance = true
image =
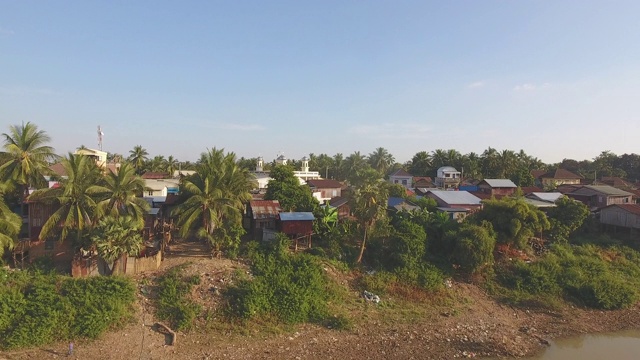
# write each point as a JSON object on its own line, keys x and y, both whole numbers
{"x": 559, "y": 79}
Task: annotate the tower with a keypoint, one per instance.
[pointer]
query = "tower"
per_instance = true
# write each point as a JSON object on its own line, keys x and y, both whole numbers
{"x": 100, "y": 134}
{"x": 260, "y": 165}
{"x": 305, "y": 164}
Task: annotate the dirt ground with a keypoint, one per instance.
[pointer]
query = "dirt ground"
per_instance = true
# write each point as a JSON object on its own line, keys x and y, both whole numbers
{"x": 476, "y": 326}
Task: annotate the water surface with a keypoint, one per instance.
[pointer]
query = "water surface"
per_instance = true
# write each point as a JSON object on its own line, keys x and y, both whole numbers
{"x": 623, "y": 345}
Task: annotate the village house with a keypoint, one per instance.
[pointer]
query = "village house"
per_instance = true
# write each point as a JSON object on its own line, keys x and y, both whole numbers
{"x": 342, "y": 204}
{"x": 626, "y": 216}
{"x": 395, "y": 204}
{"x": 447, "y": 177}
{"x": 552, "y": 179}
{"x": 261, "y": 215}
{"x": 497, "y": 187}
{"x": 401, "y": 177}
{"x": 599, "y": 196}
{"x": 298, "y": 226}
{"x": 455, "y": 203}
{"x": 325, "y": 189}
{"x": 543, "y": 199}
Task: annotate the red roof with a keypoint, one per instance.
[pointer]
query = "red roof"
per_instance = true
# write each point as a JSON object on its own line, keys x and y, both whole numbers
{"x": 410, "y": 193}
{"x": 538, "y": 173}
{"x": 530, "y": 189}
{"x": 425, "y": 178}
{"x": 560, "y": 174}
{"x": 155, "y": 175}
{"x": 58, "y": 169}
{"x": 324, "y": 184}
{"x": 616, "y": 182}
{"x": 632, "y": 208}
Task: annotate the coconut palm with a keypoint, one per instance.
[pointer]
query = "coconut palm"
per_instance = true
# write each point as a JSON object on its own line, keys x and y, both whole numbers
{"x": 368, "y": 203}
{"x": 137, "y": 157}
{"x": 215, "y": 197}
{"x": 27, "y": 156}
{"x": 354, "y": 163}
{"x": 439, "y": 158}
{"x": 381, "y": 160}
{"x": 420, "y": 164}
{"x": 119, "y": 193}
{"x": 158, "y": 163}
{"x": 75, "y": 201}
{"x": 171, "y": 165}
{"x": 114, "y": 237}
{"x": 10, "y": 224}
{"x": 338, "y": 162}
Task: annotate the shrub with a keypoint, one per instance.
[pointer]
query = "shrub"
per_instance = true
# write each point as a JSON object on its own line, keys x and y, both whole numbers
{"x": 173, "y": 302}
{"x": 37, "y": 308}
{"x": 291, "y": 287}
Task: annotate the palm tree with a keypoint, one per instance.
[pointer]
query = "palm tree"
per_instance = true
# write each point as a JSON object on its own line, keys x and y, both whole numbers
{"x": 353, "y": 163}
{"x": 381, "y": 160}
{"x": 158, "y": 163}
{"x": 506, "y": 160}
{"x": 27, "y": 156}
{"x": 75, "y": 201}
{"x": 119, "y": 192}
{"x": 137, "y": 157}
{"x": 471, "y": 166}
{"x": 10, "y": 224}
{"x": 338, "y": 162}
{"x": 454, "y": 158}
{"x": 116, "y": 236}
{"x": 368, "y": 203}
{"x": 215, "y": 197}
{"x": 489, "y": 162}
{"x": 439, "y": 158}
{"x": 420, "y": 164}
{"x": 171, "y": 165}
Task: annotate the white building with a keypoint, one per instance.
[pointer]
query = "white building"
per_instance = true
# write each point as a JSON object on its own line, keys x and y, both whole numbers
{"x": 447, "y": 177}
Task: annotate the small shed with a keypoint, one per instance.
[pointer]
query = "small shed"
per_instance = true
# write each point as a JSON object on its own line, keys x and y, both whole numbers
{"x": 621, "y": 216}
{"x": 261, "y": 215}
{"x": 298, "y": 226}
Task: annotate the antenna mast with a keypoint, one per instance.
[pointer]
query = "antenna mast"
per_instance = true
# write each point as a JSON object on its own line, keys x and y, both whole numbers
{"x": 100, "y": 133}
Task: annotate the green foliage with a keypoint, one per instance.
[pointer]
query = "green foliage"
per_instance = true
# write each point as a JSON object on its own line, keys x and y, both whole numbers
{"x": 588, "y": 275}
{"x": 513, "y": 220}
{"x": 473, "y": 247}
{"x": 290, "y": 287}
{"x": 173, "y": 303}
{"x": 397, "y": 190}
{"x": 408, "y": 245}
{"x": 565, "y": 218}
{"x": 285, "y": 187}
{"x": 36, "y": 308}
{"x": 117, "y": 236}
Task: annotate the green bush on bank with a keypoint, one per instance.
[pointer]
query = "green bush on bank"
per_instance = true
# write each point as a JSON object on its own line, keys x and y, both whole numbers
{"x": 37, "y": 308}
{"x": 587, "y": 275}
{"x": 173, "y": 302}
{"x": 290, "y": 287}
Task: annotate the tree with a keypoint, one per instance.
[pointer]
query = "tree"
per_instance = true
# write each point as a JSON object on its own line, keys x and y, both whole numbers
{"x": 10, "y": 224}
{"x": 353, "y": 164}
{"x": 75, "y": 201}
{"x": 138, "y": 157}
{"x": 368, "y": 202}
{"x": 114, "y": 237}
{"x": 171, "y": 165}
{"x": 473, "y": 247}
{"x": 119, "y": 194}
{"x": 214, "y": 199}
{"x": 420, "y": 164}
{"x": 285, "y": 187}
{"x": 565, "y": 218}
{"x": 27, "y": 157}
{"x": 381, "y": 160}
{"x": 513, "y": 220}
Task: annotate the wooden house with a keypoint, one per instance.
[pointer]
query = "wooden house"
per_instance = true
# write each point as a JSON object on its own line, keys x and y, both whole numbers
{"x": 497, "y": 187}
{"x": 298, "y": 226}
{"x": 600, "y": 196}
{"x": 327, "y": 189}
{"x": 625, "y": 216}
{"x": 261, "y": 215}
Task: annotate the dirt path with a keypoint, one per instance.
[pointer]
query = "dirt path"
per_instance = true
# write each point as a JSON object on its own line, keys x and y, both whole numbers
{"x": 475, "y": 326}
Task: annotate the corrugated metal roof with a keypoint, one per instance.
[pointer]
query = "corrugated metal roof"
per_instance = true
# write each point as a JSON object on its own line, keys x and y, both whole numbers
{"x": 153, "y": 211}
{"x": 393, "y": 201}
{"x": 264, "y": 209}
{"x": 500, "y": 183}
{"x": 401, "y": 173}
{"x": 297, "y": 216}
{"x": 456, "y": 197}
{"x": 547, "y": 196}
{"x": 632, "y": 208}
{"x": 539, "y": 203}
{"x": 324, "y": 183}
{"x": 603, "y": 189}
{"x": 450, "y": 209}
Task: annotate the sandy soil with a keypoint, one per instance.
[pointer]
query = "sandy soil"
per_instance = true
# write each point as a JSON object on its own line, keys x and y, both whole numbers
{"x": 474, "y": 327}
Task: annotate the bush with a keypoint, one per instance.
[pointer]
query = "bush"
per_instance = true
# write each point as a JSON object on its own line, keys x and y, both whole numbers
{"x": 37, "y": 308}
{"x": 173, "y": 302}
{"x": 291, "y": 287}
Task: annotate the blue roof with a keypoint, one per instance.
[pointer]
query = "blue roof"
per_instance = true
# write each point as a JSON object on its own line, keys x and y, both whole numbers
{"x": 394, "y": 201}
{"x": 296, "y": 216}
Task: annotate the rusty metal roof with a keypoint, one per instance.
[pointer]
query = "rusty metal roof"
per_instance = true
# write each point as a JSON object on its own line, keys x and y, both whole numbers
{"x": 265, "y": 209}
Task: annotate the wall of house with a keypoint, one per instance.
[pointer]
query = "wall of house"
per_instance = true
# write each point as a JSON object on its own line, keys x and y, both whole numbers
{"x": 401, "y": 180}
{"x": 296, "y": 227}
{"x": 61, "y": 252}
{"x": 619, "y": 217}
{"x": 556, "y": 182}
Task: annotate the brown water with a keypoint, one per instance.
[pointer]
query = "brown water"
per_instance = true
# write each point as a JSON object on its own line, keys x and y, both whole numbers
{"x": 624, "y": 345}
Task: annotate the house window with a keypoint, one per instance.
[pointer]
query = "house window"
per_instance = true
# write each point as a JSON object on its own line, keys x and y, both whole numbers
{"x": 404, "y": 182}
{"x": 395, "y": 181}
{"x": 334, "y": 193}
{"x": 150, "y": 192}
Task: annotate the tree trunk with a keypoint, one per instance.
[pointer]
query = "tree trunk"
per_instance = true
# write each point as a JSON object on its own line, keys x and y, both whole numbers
{"x": 113, "y": 267}
{"x": 364, "y": 240}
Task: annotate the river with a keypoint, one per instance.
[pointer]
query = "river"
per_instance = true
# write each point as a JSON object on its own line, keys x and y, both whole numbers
{"x": 623, "y": 345}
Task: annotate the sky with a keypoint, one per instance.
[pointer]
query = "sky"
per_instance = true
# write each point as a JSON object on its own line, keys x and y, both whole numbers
{"x": 559, "y": 79}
